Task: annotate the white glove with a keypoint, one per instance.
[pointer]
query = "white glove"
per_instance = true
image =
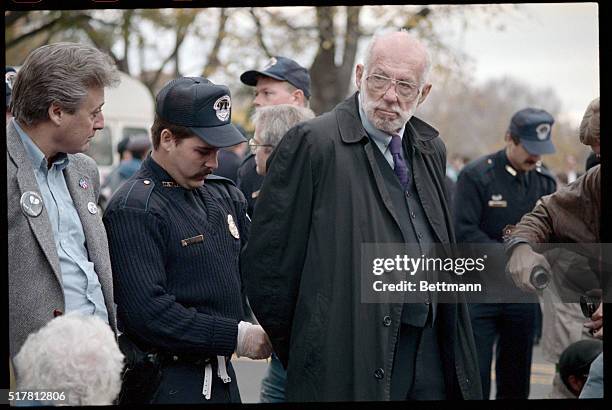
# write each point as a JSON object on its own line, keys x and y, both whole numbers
{"x": 253, "y": 342}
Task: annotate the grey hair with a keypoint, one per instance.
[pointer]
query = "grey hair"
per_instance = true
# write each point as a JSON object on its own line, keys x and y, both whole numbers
{"x": 74, "y": 354}
{"x": 59, "y": 73}
{"x": 272, "y": 122}
{"x": 382, "y": 33}
{"x": 589, "y": 126}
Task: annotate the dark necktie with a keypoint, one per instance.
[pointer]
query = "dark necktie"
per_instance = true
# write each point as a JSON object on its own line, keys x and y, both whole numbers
{"x": 399, "y": 165}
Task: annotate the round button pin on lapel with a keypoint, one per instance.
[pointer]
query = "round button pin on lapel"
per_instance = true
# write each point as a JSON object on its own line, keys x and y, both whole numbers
{"x": 93, "y": 209}
{"x": 31, "y": 203}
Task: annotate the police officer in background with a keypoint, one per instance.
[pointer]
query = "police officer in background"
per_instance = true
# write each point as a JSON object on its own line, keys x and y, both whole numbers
{"x": 281, "y": 81}
{"x": 175, "y": 234}
{"x": 132, "y": 151}
{"x": 494, "y": 191}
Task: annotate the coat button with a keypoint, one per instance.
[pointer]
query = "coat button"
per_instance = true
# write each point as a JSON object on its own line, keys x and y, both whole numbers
{"x": 387, "y": 321}
{"x": 379, "y": 373}
{"x": 413, "y": 215}
{"x": 57, "y": 313}
{"x": 419, "y": 235}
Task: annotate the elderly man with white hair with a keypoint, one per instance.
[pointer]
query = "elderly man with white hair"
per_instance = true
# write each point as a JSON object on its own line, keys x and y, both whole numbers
{"x": 74, "y": 358}
{"x": 367, "y": 172}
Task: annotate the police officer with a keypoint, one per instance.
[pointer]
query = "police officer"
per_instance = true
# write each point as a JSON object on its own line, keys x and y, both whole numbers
{"x": 175, "y": 234}
{"x": 280, "y": 81}
{"x": 492, "y": 192}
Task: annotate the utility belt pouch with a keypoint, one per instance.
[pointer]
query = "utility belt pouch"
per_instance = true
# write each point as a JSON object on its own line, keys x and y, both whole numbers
{"x": 141, "y": 374}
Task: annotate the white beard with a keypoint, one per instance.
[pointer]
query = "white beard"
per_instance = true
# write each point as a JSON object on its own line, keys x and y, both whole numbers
{"x": 388, "y": 126}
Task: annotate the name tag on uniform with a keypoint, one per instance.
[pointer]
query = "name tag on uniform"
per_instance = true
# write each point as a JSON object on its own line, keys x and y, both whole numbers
{"x": 191, "y": 241}
{"x": 496, "y": 201}
{"x": 498, "y": 204}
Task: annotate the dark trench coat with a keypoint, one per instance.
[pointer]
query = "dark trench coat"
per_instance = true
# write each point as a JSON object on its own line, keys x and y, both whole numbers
{"x": 323, "y": 197}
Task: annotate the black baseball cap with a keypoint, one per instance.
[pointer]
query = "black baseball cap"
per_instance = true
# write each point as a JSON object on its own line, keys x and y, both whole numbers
{"x": 533, "y": 127}
{"x": 202, "y": 106}
{"x": 282, "y": 69}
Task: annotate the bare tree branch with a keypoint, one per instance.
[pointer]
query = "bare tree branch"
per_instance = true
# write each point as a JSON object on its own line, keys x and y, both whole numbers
{"x": 47, "y": 26}
{"x": 11, "y": 17}
{"x": 259, "y": 34}
{"x": 278, "y": 20}
{"x": 99, "y": 40}
{"x": 414, "y": 20}
{"x": 212, "y": 62}
{"x": 151, "y": 83}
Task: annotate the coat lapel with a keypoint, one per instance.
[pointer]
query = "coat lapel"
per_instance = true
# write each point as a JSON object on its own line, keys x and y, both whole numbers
{"x": 93, "y": 229}
{"x": 430, "y": 195}
{"x": 81, "y": 198}
{"x": 40, "y": 225}
{"x": 352, "y": 131}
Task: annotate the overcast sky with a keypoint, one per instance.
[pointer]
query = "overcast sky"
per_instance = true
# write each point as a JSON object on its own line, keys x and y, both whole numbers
{"x": 546, "y": 45}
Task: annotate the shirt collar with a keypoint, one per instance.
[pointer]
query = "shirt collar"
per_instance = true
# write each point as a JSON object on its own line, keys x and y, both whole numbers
{"x": 379, "y": 136}
{"x": 36, "y": 155}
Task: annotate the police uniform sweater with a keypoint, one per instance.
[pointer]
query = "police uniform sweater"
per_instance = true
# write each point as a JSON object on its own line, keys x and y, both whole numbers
{"x": 175, "y": 260}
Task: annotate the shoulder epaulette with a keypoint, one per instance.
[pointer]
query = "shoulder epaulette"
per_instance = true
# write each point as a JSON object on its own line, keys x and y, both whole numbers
{"x": 217, "y": 178}
{"x": 481, "y": 165}
{"x": 224, "y": 187}
{"x": 138, "y": 194}
{"x": 542, "y": 170}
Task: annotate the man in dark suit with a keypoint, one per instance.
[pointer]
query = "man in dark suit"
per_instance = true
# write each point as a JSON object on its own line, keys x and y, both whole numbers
{"x": 58, "y": 251}
{"x": 366, "y": 172}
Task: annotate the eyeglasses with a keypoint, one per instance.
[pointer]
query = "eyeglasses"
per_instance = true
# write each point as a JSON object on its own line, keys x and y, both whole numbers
{"x": 253, "y": 145}
{"x": 380, "y": 84}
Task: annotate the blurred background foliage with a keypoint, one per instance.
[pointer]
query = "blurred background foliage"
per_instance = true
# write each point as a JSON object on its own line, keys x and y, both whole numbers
{"x": 155, "y": 45}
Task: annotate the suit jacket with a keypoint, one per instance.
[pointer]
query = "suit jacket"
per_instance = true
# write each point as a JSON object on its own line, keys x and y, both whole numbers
{"x": 35, "y": 278}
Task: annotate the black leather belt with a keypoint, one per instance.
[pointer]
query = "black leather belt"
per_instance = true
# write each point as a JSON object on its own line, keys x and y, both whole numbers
{"x": 193, "y": 359}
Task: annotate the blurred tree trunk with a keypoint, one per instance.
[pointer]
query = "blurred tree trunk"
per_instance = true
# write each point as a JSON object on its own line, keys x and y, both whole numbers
{"x": 212, "y": 62}
{"x": 331, "y": 81}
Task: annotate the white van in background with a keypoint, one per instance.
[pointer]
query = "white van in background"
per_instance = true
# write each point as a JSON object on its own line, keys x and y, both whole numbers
{"x": 128, "y": 110}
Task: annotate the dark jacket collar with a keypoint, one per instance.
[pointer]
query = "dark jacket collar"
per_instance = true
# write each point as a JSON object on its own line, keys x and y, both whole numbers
{"x": 351, "y": 129}
{"x": 155, "y": 171}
